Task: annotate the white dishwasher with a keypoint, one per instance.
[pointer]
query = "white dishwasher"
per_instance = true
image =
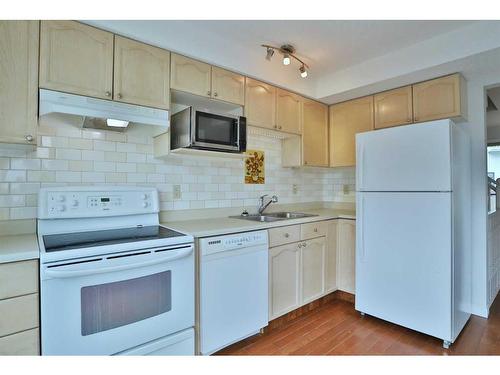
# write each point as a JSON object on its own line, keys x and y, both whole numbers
{"x": 233, "y": 288}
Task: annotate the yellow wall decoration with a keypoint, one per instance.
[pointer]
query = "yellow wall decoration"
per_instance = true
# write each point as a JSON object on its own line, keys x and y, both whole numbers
{"x": 254, "y": 167}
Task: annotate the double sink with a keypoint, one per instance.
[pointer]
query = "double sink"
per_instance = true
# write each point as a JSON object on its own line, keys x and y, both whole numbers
{"x": 274, "y": 216}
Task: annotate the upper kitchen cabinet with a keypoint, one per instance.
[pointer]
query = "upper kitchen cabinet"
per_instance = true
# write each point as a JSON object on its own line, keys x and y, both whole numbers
{"x": 394, "y": 107}
{"x": 76, "y": 58}
{"x": 18, "y": 81}
{"x": 347, "y": 119}
{"x": 228, "y": 86}
{"x": 190, "y": 75}
{"x": 439, "y": 98}
{"x": 141, "y": 74}
{"x": 260, "y": 104}
{"x": 288, "y": 112}
{"x": 315, "y": 134}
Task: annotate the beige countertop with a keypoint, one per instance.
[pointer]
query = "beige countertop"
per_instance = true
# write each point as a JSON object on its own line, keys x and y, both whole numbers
{"x": 225, "y": 225}
{"x": 18, "y": 247}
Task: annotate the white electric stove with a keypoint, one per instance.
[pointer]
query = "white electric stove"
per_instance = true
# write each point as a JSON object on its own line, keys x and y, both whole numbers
{"x": 113, "y": 281}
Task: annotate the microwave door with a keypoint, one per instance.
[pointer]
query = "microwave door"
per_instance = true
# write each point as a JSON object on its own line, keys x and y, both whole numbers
{"x": 215, "y": 132}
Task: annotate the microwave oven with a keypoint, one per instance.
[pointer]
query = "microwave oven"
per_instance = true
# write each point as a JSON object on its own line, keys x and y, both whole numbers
{"x": 192, "y": 128}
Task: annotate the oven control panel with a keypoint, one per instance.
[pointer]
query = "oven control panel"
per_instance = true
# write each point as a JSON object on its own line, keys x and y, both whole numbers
{"x": 78, "y": 202}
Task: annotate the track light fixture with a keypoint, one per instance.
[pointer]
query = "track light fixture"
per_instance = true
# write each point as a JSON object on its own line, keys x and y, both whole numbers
{"x": 288, "y": 53}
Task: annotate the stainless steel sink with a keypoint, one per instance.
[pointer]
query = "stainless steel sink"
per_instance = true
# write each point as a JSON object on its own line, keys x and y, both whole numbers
{"x": 273, "y": 216}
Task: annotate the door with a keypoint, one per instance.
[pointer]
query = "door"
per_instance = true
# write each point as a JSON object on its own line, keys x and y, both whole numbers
{"x": 394, "y": 107}
{"x": 288, "y": 112}
{"x": 228, "y": 86}
{"x": 312, "y": 269}
{"x": 260, "y": 104}
{"x": 107, "y": 304}
{"x": 19, "y": 83}
{"x": 76, "y": 58}
{"x": 142, "y": 74}
{"x": 346, "y": 247}
{"x": 234, "y": 296}
{"x": 284, "y": 279}
{"x": 404, "y": 258}
{"x": 331, "y": 256}
{"x": 407, "y": 158}
{"x": 315, "y": 134}
{"x": 439, "y": 98}
{"x": 346, "y": 120}
{"x": 190, "y": 75}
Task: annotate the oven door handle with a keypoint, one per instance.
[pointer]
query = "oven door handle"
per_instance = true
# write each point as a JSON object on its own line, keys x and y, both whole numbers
{"x": 167, "y": 257}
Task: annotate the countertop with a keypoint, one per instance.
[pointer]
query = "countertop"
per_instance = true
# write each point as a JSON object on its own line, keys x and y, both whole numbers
{"x": 225, "y": 225}
{"x": 18, "y": 247}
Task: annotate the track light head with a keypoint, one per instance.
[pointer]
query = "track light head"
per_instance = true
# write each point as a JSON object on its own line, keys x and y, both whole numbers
{"x": 270, "y": 53}
{"x": 303, "y": 71}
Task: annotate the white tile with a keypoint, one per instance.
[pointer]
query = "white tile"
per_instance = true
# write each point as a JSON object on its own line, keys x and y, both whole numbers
{"x": 49, "y": 141}
{"x": 24, "y": 188}
{"x": 55, "y": 165}
{"x": 181, "y": 205}
{"x": 116, "y": 137}
{"x": 156, "y": 178}
{"x": 12, "y": 176}
{"x": 43, "y": 153}
{"x": 126, "y": 147}
{"x": 4, "y": 214}
{"x": 146, "y": 168}
{"x": 12, "y": 200}
{"x": 135, "y": 157}
{"x": 68, "y": 176}
{"x": 19, "y": 213}
{"x": 115, "y": 156}
{"x": 104, "y": 145}
{"x": 81, "y": 143}
{"x": 4, "y": 188}
{"x": 126, "y": 167}
{"x": 41, "y": 176}
{"x": 4, "y": 163}
{"x": 68, "y": 131}
{"x": 104, "y": 166}
{"x": 68, "y": 154}
{"x": 116, "y": 177}
{"x": 93, "y": 177}
{"x": 25, "y": 163}
{"x": 137, "y": 177}
{"x": 92, "y": 155}
{"x": 93, "y": 134}
{"x": 81, "y": 165}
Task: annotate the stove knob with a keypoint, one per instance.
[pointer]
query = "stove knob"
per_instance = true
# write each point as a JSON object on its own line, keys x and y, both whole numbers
{"x": 61, "y": 198}
{"x": 61, "y": 208}
{"x": 74, "y": 203}
{"x": 144, "y": 196}
{"x": 145, "y": 204}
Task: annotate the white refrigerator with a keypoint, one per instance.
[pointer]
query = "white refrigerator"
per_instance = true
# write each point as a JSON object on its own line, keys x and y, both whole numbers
{"x": 413, "y": 241}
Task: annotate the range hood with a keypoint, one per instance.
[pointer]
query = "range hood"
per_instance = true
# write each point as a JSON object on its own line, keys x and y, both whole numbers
{"x": 111, "y": 112}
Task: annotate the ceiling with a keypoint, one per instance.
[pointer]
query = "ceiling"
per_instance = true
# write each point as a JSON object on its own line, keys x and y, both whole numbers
{"x": 327, "y": 46}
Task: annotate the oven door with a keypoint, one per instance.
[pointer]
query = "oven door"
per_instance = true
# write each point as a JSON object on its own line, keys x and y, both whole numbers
{"x": 214, "y": 131}
{"x": 106, "y": 304}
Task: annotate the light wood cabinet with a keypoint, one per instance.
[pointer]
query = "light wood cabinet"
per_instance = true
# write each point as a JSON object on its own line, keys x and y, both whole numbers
{"x": 288, "y": 112}
{"x": 190, "y": 75}
{"x": 312, "y": 269}
{"x": 76, "y": 58}
{"x": 346, "y": 249}
{"x": 315, "y": 134}
{"x": 346, "y": 120}
{"x": 331, "y": 256}
{"x": 228, "y": 86}
{"x": 22, "y": 343}
{"x": 283, "y": 235}
{"x": 141, "y": 74}
{"x": 313, "y": 230}
{"x": 260, "y": 104}
{"x": 394, "y": 107}
{"x": 18, "y": 81}
{"x": 18, "y": 278}
{"x": 18, "y": 314}
{"x": 439, "y": 98}
{"x": 284, "y": 279}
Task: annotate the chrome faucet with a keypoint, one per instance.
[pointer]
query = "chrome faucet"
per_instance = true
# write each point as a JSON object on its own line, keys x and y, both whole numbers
{"x": 263, "y": 206}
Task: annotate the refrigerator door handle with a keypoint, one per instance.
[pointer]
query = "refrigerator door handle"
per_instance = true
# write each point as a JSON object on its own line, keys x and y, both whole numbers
{"x": 360, "y": 170}
{"x": 361, "y": 239}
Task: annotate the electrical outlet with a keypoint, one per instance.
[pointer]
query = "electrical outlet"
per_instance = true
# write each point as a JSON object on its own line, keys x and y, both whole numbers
{"x": 177, "y": 192}
{"x": 346, "y": 189}
{"x": 295, "y": 188}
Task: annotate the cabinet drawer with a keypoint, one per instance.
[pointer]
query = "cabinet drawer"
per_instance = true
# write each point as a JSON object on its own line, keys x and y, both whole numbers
{"x": 18, "y": 278}
{"x": 22, "y": 343}
{"x": 284, "y": 235}
{"x": 18, "y": 314}
{"x": 313, "y": 230}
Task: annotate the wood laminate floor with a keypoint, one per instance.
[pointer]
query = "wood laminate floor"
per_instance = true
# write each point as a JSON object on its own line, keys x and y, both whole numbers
{"x": 337, "y": 329}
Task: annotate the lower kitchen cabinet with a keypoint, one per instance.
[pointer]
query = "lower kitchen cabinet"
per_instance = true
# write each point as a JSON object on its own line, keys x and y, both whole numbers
{"x": 331, "y": 256}
{"x": 312, "y": 269}
{"x": 284, "y": 279}
{"x": 346, "y": 247}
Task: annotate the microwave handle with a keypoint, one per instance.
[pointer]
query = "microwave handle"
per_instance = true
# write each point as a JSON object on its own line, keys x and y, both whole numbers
{"x": 242, "y": 134}
{"x": 166, "y": 257}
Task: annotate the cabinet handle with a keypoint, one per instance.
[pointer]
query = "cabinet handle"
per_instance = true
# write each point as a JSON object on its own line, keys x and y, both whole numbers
{"x": 300, "y": 245}
{"x": 316, "y": 230}
{"x": 119, "y": 96}
{"x": 29, "y": 138}
{"x": 287, "y": 235}
{"x": 215, "y": 94}
{"x": 276, "y": 126}
{"x": 279, "y": 127}
{"x": 209, "y": 92}
{"x": 107, "y": 93}
{"x": 304, "y": 244}
{"x": 305, "y": 162}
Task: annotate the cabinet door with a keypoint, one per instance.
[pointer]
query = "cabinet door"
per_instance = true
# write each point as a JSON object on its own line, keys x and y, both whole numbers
{"x": 313, "y": 269}
{"x": 142, "y": 74}
{"x": 76, "y": 58}
{"x": 347, "y": 119}
{"x": 331, "y": 256}
{"x": 190, "y": 75}
{"x": 260, "y": 104}
{"x": 346, "y": 255}
{"x": 315, "y": 134}
{"x": 439, "y": 98}
{"x": 284, "y": 277}
{"x": 228, "y": 86}
{"x": 394, "y": 107}
{"x": 19, "y": 81}
{"x": 288, "y": 112}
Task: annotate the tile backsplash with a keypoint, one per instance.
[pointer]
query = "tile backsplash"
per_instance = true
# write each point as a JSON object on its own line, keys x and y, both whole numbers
{"x": 68, "y": 155}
